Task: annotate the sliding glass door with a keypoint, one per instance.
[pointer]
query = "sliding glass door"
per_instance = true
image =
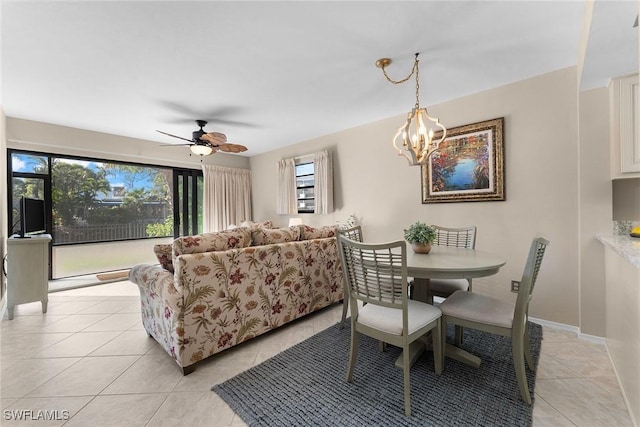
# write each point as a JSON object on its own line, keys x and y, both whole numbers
{"x": 187, "y": 209}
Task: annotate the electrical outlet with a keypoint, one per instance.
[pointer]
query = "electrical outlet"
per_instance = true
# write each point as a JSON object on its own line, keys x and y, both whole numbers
{"x": 515, "y": 286}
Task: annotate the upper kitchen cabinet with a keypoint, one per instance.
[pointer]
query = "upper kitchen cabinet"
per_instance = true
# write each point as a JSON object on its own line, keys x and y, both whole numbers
{"x": 624, "y": 98}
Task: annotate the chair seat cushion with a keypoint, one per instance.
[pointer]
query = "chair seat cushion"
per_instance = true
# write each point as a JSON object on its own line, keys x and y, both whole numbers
{"x": 448, "y": 286}
{"x": 389, "y": 319}
{"x": 478, "y": 308}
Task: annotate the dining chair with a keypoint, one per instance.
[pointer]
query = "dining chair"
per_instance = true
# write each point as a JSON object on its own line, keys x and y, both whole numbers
{"x": 355, "y": 234}
{"x": 376, "y": 274}
{"x": 477, "y": 311}
{"x": 464, "y": 237}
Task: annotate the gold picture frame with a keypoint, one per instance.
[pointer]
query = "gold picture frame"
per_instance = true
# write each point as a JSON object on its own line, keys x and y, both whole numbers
{"x": 468, "y": 166}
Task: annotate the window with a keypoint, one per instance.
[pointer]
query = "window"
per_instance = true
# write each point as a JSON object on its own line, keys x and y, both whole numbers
{"x": 305, "y": 184}
{"x": 93, "y": 200}
{"x": 30, "y": 179}
{"x": 305, "y": 187}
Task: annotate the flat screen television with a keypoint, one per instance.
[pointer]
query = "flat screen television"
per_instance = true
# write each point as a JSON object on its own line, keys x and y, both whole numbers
{"x": 33, "y": 216}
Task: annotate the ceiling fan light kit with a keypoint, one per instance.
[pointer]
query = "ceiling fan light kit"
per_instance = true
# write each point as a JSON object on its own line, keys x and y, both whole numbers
{"x": 201, "y": 149}
{"x": 415, "y": 139}
{"x": 206, "y": 143}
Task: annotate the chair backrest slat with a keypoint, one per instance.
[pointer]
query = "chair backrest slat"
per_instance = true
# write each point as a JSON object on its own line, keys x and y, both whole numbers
{"x": 529, "y": 277}
{"x": 375, "y": 273}
{"x": 353, "y": 233}
{"x": 464, "y": 237}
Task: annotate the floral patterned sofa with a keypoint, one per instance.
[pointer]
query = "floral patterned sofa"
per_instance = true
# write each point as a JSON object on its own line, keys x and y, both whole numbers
{"x": 216, "y": 290}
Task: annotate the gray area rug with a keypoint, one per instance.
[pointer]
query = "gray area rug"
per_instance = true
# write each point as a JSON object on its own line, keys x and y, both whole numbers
{"x": 305, "y": 386}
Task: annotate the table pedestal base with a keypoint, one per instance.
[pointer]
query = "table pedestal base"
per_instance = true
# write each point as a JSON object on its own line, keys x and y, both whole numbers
{"x": 462, "y": 356}
{"x": 421, "y": 290}
{"x": 418, "y": 347}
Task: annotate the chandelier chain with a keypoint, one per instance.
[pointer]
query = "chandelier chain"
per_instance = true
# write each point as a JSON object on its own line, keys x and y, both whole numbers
{"x": 414, "y": 70}
{"x": 395, "y": 82}
{"x": 417, "y": 83}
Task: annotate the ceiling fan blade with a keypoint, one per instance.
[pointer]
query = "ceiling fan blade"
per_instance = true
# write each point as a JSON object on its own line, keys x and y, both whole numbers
{"x": 232, "y": 148}
{"x": 174, "y": 136}
{"x": 176, "y": 145}
{"x": 216, "y": 120}
{"x": 188, "y": 109}
{"x": 219, "y": 114}
{"x": 218, "y": 141}
{"x": 214, "y": 138}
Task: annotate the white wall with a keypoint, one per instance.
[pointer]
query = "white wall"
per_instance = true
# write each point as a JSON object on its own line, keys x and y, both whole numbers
{"x": 595, "y": 210}
{"x": 541, "y": 180}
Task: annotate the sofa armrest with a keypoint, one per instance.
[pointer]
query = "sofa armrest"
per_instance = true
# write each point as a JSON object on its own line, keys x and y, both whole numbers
{"x": 153, "y": 279}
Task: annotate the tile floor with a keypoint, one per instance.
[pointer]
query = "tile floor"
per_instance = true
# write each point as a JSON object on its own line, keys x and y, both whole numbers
{"x": 90, "y": 359}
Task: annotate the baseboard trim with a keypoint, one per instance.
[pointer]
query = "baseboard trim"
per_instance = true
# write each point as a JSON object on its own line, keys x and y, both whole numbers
{"x": 593, "y": 338}
{"x": 570, "y": 328}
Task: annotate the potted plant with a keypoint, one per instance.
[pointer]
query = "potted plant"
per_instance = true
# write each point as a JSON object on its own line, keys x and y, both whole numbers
{"x": 420, "y": 235}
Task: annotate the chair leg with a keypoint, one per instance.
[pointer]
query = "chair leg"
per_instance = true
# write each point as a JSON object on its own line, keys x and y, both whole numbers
{"x": 527, "y": 350}
{"x": 353, "y": 352}
{"x": 345, "y": 306}
{"x": 438, "y": 349}
{"x": 518, "y": 363}
{"x": 459, "y": 329}
{"x": 382, "y": 346}
{"x": 459, "y": 334}
{"x": 406, "y": 367}
{"x": 443, "y": 339}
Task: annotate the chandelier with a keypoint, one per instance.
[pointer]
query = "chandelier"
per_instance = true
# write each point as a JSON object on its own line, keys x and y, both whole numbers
{"x": 415, "y": 139}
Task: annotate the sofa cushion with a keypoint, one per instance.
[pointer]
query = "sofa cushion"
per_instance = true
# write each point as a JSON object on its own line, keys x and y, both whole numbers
{"x": 163, "y": 253}
{"x": 266, "y": 236}
{"x": 309, "y": 233}
{"x": 208, "y": 242}
{"x": 257, "y": 225}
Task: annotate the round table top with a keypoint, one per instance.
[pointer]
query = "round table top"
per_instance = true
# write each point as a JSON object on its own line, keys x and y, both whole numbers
{"x": 445, "y": 262}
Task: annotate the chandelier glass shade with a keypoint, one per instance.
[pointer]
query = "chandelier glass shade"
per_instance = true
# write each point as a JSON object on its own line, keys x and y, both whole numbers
{"x": 420, "y": 136}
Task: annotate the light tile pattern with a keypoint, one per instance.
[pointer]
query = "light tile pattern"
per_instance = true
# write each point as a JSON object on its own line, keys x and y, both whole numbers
{"x": 90, "y": 360}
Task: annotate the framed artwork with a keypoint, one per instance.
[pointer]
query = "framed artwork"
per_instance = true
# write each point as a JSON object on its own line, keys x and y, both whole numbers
{"x": 468, "y": 166}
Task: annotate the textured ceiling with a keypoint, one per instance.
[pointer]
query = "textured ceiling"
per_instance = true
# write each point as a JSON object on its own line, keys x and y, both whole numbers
{"x": 271, "y": 74}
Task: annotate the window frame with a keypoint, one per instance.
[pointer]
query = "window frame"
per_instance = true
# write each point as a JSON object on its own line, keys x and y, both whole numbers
{"x": 302, "y": 161}
{"x": 48, "y": 187}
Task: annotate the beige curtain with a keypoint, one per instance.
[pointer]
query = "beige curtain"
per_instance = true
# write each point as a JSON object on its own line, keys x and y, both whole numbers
{"x": 323, "y": 182}
{"x": 286, "y": 191}
{"x": 226, "y": 197}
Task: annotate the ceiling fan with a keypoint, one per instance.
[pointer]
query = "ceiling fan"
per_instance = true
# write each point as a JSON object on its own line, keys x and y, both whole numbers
{"x": 205, "y": 143}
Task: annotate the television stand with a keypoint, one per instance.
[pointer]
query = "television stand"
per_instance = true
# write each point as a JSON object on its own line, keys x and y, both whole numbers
{"x": 27, "y": 271}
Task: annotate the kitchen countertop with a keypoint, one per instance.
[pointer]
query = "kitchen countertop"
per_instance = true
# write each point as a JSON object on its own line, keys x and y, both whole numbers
{"x": 626, "y": 246}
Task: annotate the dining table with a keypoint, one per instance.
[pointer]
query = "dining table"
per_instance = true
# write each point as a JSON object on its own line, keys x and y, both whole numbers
{"x": 447, "y": 262}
